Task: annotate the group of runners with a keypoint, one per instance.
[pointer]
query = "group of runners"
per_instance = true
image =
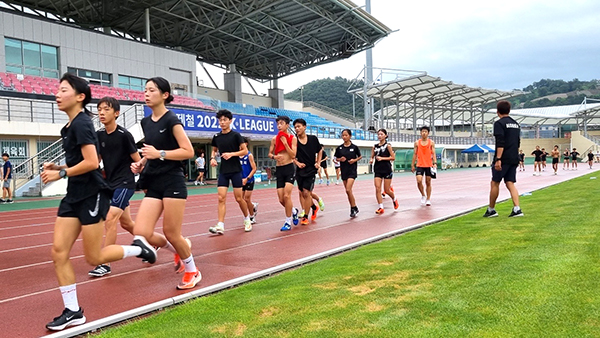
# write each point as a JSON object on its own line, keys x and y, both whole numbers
{"x": 540, "y": 155}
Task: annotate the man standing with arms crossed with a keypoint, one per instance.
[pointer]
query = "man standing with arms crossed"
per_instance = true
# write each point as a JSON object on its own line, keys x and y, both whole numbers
{"x": 508, "y": 139}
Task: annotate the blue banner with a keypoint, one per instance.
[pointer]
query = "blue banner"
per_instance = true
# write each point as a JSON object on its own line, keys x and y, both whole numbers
{"x": 207, "y": 121}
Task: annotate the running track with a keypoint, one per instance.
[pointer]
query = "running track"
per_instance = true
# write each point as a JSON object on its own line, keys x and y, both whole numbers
{"x": 29, "y": 296}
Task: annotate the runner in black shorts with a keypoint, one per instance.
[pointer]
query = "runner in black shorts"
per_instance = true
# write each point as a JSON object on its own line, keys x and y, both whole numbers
{"x": 84, "y": 207}
{"x": 544, "y": 155}
{"x": 166, "y": 145}
{"x": 537, "y": 164}
{"x": 382, "y": 157}
{"x": 566, "y": 158}
{"x": 574, "y": 155}
{"x": 283, "y": 150}
{"x": 231, "y": 146}
{"x": 508, "y": 139}
{"x": 590, "y": 156}
{"x": 555, "y": 158}
{"x": 308, "y": 157}
{"x": 348, "y": 154}
{"x": 323, "y": 165}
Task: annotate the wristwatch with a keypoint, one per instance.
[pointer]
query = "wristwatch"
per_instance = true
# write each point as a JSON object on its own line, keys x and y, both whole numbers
{"x": 163, "y": 154}
{"x": 62, "y": 173}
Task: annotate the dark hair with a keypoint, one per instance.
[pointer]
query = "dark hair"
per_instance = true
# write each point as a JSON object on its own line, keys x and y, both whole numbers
{"x": 163, "y": 86}
{"x": 383, "y": 131}
{"x": 556, "y": 146}
{"x": 301, "y": 121}
{"x": 111, "y": 102}
{"x": 81, "y": 86}
{"x": 283, "y": 118}
{"x": 426, "y": 128}
{"x": 348, "y": 131}
{"x": 5, "y": 154}
{"x": 503, "y": 107}
{"x": 224, "y": 113}
{"x": 246, "y": 140}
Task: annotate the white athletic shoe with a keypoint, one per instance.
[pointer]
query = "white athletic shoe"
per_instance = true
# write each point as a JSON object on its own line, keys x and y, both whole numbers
{"x": 428, "y": 203}
{"x": 247, "y": 225}
{"x": 195, "y": 182}
{"x": 255, "y": 205}
{"x": 217, "y": 229}
{"x": 423, "y": 199}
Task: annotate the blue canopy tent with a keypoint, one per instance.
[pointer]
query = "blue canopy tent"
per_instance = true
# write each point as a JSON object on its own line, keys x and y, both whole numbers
{"x": 478, "y": 149}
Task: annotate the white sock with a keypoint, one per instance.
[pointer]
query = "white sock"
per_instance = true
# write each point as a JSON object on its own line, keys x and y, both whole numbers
{"x": 288, "y": 220}
{"x": 69, "y": 296}
{"x": 131, "y": 251}
{"x": 221, "y": 224}
{"x": 490, "y": 209}
{"x": 380, "y": 205}
{"x": 170, "y": 247}
{"x": 516, "y": 208}
{"x": 190, "y": 265}
{"x": 247, "y": 218}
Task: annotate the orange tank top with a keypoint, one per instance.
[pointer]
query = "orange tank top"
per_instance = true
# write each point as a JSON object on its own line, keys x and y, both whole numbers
{"x": 424, "y": 154}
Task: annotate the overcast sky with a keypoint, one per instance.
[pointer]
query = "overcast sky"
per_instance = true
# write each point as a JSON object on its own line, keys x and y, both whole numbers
{"x": 491, "y": 44}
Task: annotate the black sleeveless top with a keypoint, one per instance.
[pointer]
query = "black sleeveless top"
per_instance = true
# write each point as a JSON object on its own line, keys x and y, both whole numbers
{"x": 385, "y": 166}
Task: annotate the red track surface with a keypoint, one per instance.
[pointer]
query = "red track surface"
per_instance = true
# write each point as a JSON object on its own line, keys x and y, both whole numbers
{"x": 29, "y": 296}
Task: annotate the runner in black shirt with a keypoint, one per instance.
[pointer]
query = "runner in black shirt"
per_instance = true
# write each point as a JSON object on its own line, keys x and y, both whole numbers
{"x": 230, "y": 144}
{"x": 84, "y": 208}
{"x": 574, "y": 155}
{"x": 348, "y": 154}
{"x": 166, "y": 145}
{"x": 521, "y": 160}
{"x": 566, "y": 158}
{"x": 508, "y": 139}
{"x": 590, "y": 156}
{"x": 117, "y": 153}
{"x": 308, "y": 158}
{"x": 537, "y": 161}
{"x": 544, "y": 155}
{"x": 382, "y": 157}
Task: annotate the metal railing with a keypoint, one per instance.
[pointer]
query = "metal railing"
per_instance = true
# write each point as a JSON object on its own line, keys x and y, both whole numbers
{"x": 31, "y": 168}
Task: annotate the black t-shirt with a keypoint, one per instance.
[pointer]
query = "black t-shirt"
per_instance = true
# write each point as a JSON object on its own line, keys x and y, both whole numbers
{"x": 116, "y": 149}
{"x": 160, "y": 135}
{"x": 307, "y": 154}
{"x": 349, "y": 152}
{"x": 382, "y": 167}
{"x": 574, "y": 155}
{"x": 508, "y": 136}
{"x": 228, "y": 143}
{"x": 538, "y": 155}
{"x": 80, "y": 132}
{"x": 544, "y": 154}
{"x": 521, "y": 157}
{"x": 590, "y": 157}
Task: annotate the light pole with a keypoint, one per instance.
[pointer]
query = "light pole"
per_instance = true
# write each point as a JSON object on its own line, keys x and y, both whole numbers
{"x": 302, "y": 96}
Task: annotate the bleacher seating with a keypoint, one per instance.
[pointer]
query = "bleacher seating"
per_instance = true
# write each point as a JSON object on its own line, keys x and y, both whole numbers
{"x": 48, "y": 86}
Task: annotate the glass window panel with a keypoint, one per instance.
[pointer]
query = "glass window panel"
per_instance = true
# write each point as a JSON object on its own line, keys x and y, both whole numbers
{"x": 136, "y": 82}
{"x": 72, "y": 70}
{"x": 49, "y": 57}
{"x": 105, "y": 77}
{"x": 51, "y": 73}
{"x": 32, "y": 71}
{"x": 31, "y": 54}
{"x": 13, "y": 51}
{"x": 13, "y": 69}
{"x": 123, "y": 79}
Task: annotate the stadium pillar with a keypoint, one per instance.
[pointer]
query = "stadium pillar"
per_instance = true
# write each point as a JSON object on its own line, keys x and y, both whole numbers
{"x": 147, "y": 24}
{"x": 233, "y": 84}
{"x": 276, "y": 95}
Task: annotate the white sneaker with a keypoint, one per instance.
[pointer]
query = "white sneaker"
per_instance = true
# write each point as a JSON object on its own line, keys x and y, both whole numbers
{"x": 253, "y": 219}
{"x": 337, "y": 182}
{"x": 423, "y": 199}
{"x": 428, "y": 203}
{"x": 247, "y": 225}
{"x": 255, "y": 205}
{"x": 195, "y": 182}
{"x": 217, "y": 229}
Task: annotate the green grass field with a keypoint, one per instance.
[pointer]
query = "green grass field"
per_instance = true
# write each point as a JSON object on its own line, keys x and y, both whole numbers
{"x": 535, "y": 276}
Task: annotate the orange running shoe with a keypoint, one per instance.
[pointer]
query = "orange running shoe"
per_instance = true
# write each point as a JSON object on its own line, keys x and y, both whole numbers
{"x": 179, "y": 266}
{"x": 314, "y": 214}
{"x": 379, "y": 211}
{"x": 304, "y": 221}
{"x": 189, "y": 280}
{"x": 396, "y": 205}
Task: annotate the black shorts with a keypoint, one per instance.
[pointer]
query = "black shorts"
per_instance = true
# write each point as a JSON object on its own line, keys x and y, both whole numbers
{"x": 324, "y": 164}
{"x": 305, "y": 183}
{"x": 423, "y": 171}
{"x": 384, "y": 175}
{"x": 121, "y": 197}
{"x": 508, "y": 173}
{"x": 89, "y": 211}
{"x": 285, "y": 174}
{"x": 248, "y": 187}
{"x": 554, "y": 160}
{"x": 567, "y": 158}
{"x": 166, "y": 186}
{"x": 201, "y": 170}
{"x": 349, "y": 173}
{"x": 235, "y": 178}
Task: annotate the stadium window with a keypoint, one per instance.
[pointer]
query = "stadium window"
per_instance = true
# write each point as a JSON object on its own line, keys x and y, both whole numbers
{"x": 17, "y": 149}
{"x": 130, "y": 82}
{"x": 92, "y": 76}
{"x": 23, "y": 57}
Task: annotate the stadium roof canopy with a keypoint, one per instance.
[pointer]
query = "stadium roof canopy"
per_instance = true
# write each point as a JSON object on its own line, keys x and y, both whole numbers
{"x": 585, "y": 113}
{"x": 265, "y": 39}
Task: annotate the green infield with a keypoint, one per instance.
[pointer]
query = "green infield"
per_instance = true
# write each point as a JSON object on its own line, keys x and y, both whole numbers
{"x": 535, "y": 276}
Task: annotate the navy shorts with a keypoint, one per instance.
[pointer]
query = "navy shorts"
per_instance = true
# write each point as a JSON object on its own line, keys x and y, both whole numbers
{"x": 235, "y": 178}
{"x": 305, "y": 183}
{"x": 90, "y": 210}
{"x": 508, "y": 173}
{"x": 166, "y": 186}
{"x": 285, "y": 174}
{"x": 121, "y": 197}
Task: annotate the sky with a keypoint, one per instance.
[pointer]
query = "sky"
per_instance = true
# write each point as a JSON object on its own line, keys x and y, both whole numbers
{"x": 502, "y": 45}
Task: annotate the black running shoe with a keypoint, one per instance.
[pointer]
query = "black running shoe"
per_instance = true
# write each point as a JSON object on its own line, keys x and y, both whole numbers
{"x": 353, "y": 212}
{"x": 516, "y": 214}
{"x": 67, "y": 318}
{"x": 100, "y": 270}
{"x": 148, "y": 253}
{"x": 489, "y": 214}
